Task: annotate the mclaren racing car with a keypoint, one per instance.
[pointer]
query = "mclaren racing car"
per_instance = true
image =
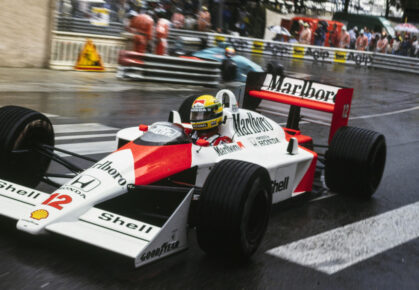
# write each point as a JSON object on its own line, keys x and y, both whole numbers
{"x": 140, "y": 200}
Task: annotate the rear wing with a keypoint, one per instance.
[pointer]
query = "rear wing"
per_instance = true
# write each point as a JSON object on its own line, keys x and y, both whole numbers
{"x": 332, "y": 104}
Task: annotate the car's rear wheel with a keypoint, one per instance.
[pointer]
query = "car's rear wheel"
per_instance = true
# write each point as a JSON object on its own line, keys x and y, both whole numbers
{"x": 275, "y": 67}
{"x": 21, "y": 131}
{"x": 234, "y": 209}
{"x": 228, "y": 70}
{"x": 355, "y": 161}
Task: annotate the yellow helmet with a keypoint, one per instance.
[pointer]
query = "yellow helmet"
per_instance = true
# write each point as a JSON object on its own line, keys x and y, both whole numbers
{"x": 206, "y": 113}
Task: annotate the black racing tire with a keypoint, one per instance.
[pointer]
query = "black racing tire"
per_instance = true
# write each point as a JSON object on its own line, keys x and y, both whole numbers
{"x": 234, "y": 209}
{"x": 185, "y": 109}
{"x": 228, "y": 70}
{"x": 21, "y": 129}
{"x": 355, "y": 161}
{"x": 275, "y": 67}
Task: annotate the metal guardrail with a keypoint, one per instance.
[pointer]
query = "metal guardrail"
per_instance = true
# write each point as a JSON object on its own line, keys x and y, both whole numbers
{"x": 151, "y": 67}
{"x": 307, "y": 52}
{"x": 66, "y": 46}
{"x": 81, "y": 25}
{"x": 395, "y": 62}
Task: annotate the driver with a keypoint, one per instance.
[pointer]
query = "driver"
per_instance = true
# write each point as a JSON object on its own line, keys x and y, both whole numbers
{"x": 206, "y": 116}
{"x": 229, "y": 52}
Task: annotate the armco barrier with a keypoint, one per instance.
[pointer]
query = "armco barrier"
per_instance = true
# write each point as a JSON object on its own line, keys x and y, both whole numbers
{"x": 66, "y": 46}
{"x": 151, "y": 67}
{"x": 307, "y": 52}
{"x": 395, "y": 62}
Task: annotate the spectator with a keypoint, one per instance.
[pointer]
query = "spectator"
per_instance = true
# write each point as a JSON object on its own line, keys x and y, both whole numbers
{"x": 415, "y": 47}
{"x": 372, "y": 45}
{"x": 345, "y": 39}
{"x": 389, "y": 48}
{"x": 405, "y": 45}
{"x": 190, "y": 22}
{"x": 353, "y": 34}
{"x": 305, "y": 35}
{"x": 396, "y": 45}
{"x": 367, "y": 33}
{"x": 334, "y": 37}
{"x": 382, "y": 44}
{"x": 320, "y": 34}
{"x": 178, "y": 20}
{"x": 204, "y": 19}
{"x": 361, "y": 41}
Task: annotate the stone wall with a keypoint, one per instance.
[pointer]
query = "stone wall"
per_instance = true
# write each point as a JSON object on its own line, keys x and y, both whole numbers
{"x": 25, "y": 29}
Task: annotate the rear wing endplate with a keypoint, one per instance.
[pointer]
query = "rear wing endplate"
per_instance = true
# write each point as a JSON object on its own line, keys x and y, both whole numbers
{"x": 302, "y": 93}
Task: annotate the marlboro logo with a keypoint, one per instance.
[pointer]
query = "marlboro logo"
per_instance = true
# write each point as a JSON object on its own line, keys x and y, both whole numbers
{"x": 304, "y": 89}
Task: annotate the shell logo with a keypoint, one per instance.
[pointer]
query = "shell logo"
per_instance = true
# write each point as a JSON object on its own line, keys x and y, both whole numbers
{"x": 39, "y": 214}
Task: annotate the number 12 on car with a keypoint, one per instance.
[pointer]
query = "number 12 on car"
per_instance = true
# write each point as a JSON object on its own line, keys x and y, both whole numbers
{"x": 56, "y": 200}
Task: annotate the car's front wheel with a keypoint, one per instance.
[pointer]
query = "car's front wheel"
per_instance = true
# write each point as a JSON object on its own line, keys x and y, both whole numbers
{"x": 21, "y": 131}
{"x": 234, "y": 209}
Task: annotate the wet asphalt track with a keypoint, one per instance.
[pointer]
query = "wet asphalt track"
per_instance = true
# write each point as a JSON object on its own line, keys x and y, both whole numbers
{"x": 383, "y": 101}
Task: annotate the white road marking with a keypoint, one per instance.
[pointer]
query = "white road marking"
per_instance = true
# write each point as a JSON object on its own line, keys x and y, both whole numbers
{"x": 88, "y": 148}
{"x": 337, "y": 249}
{"x": 84, "y": 127}
{"x": 385, "y": 114}
{"x": 73, "y": 137}
{"x": 50, "y": 115}
{"x": 45, "y": 285}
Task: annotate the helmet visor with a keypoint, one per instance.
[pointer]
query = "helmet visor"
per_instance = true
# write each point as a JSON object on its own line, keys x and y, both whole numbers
{"x": 203, "y": 114}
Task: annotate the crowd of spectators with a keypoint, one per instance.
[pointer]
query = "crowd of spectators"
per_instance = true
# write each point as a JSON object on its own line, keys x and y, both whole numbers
{"x": 364, "y": 39}
{"x": 201, "y": 15}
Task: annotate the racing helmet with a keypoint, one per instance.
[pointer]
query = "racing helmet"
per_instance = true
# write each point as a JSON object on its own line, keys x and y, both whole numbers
{"x": 230, "y": 51}
{"x": 206, "y": 113}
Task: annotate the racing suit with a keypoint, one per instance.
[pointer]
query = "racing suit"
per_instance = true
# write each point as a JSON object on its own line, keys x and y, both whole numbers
{"x": 214, "y": 139}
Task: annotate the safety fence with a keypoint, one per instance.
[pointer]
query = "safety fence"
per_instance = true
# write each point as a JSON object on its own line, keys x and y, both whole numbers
{"x": 81, "y": 25}
{"x": 66, "y": 47}
{"x": 151, "y": 67}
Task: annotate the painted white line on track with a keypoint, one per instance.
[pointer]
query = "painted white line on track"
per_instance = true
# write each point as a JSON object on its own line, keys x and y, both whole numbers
{"x": 385, "y": 114}
{"x": 73, "y": 137}
{"x": 50, "y": 115}
{"x": 337, "y": 249}
{"x": 88, "y": 148}
{"x": 84, "y": 127}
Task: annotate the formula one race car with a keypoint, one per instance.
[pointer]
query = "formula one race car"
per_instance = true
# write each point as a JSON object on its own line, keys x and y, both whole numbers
{"x": 236, "y": 67}
{"x": 140, "y": 200}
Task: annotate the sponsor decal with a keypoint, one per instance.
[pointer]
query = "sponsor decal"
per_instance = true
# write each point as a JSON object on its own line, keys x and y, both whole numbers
{"x": 359, "y": 58}
{"x": 39, "y": 214}
{"x": 118, "y": 220}
{"x": 257, "y": 46}
{"x": 250, "y": 124}
{"x": 298, "y": 52}
{"x": 163, "y": 249}
{"x": 340, "y": 56}
{"x": 317, "y": 53}
{"x": 304, "y": 89}
{"x": 107, "y": 167}
{"x": 163, "y": 130}
{"x": 277, "y": 49}
{"x": 85, "y": 183}
{"x": 237, "y": 43}
{"x": 12, "y": 189}
{"x": 281, "y": 185}
{"x": 264, "y": 141}
{"x": 228, "y": 148}
{"x": 72, "y": 189}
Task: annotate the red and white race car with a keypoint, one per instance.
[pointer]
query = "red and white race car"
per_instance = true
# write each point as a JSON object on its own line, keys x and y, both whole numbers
{"x": 140, "y": 200}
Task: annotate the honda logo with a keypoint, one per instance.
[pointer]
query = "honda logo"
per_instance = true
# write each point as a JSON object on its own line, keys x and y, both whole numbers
{"x": 85, "y": 183}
